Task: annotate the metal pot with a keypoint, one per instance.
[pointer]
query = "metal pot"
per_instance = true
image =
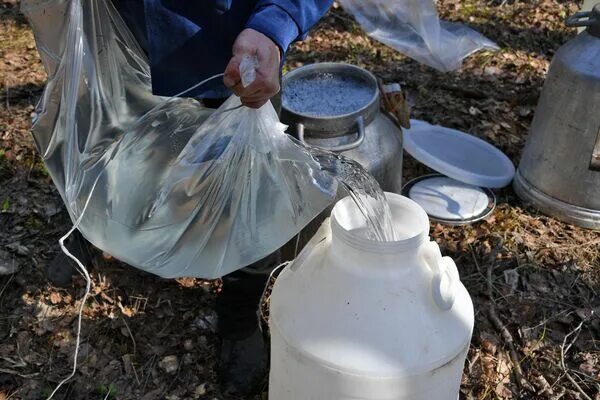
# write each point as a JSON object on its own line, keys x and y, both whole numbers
{"x": 365, "y": 134}
{"x": 559, "y": 172}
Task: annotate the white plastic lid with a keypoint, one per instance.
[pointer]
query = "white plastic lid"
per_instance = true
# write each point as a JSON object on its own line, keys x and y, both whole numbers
{"x": 448, "y": 200}
{"x": 458, "y": 155}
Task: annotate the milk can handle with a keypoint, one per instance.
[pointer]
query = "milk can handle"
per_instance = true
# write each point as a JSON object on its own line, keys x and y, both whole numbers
{"x": 445, "y": 277}
{"x": 580, "y": 19}
{"x": 360, "y": 122}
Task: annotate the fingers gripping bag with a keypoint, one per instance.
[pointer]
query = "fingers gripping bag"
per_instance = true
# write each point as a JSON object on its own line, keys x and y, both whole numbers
{"x": 164, "y": 185}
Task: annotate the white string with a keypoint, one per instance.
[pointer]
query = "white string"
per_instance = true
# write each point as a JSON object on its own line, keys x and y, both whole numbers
{"x": 81, "y": 268}
{"x": 260, "y": 313}
{"x": 88, "y": 284}
{"x": 198, "y": 85}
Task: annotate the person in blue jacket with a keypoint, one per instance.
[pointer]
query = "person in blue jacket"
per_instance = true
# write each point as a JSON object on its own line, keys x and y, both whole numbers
{"x": 186, "y": 42}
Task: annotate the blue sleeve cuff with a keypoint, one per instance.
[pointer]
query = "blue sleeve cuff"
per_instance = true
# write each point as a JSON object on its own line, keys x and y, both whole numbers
{"x": 275, "y": 23}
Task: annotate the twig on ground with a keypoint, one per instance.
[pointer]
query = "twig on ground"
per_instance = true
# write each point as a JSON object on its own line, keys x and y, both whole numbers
{"x": 13, "y": 394}
{"x": 6, "y": 284}
{"x": 499, "y": 325}
{"x": 484, "y": 276}
{"x": 130, "y": 335}
{"x": 563, "y": 352}
{"x": 473, "y": 361}
{"x": 135, "y": 374}
{"x": 572, "y": 246}
{"x": 7, "y": 95}
{"x": 166, "y": 390}
{"x": 508, "y": 339}
{"x": 166, "y": 326}
{"x": 559, "y": 395}
{"x": 12, "y": 372}
{"x": 548, "y": 319}
{"x": 4, "y": 396}
{"x": 149, "y": 365}
{"x": 588, "y": 377}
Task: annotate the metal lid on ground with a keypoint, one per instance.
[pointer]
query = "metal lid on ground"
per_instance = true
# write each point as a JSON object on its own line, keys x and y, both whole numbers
{"x": 458, "y": 155}
{"x": 449, "y": 201}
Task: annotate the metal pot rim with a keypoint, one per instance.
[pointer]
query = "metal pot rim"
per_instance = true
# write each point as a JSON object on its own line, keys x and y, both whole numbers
{"x": 335, "y": 125}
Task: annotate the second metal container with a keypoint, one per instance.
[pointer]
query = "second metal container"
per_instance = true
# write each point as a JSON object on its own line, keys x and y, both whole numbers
{"x": 559, "y": 172}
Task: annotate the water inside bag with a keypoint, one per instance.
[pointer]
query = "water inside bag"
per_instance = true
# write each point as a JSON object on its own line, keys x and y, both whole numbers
{"x": 169, "y": 186}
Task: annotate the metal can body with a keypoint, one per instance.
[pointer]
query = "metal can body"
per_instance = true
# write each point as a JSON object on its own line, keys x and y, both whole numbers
{"x": 380, "y": 152}
{"x": 366, "y": 135}
{"x": 559, "y": 170}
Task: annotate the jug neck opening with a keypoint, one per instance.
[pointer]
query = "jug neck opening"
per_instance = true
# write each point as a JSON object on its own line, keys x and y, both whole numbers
{"x": 410, "y": 222}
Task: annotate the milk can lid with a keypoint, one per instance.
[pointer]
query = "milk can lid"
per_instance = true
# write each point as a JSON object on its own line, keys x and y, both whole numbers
{"x": 458, "y": 155}
{"x": 449, "y": 201}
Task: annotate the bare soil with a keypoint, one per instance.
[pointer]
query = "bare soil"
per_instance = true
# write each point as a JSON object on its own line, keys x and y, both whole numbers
{"x": 534, "y": 280}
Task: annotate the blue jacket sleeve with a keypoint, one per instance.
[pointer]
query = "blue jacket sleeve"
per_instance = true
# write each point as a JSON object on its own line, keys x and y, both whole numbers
{"x": 285, "y": 21}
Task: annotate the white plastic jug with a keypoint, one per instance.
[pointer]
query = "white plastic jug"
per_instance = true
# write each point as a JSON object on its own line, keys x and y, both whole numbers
{"x": 353, "y": 318}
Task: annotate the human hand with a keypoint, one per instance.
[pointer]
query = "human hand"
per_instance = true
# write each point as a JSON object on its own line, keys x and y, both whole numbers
{"x": 266, "y": 84}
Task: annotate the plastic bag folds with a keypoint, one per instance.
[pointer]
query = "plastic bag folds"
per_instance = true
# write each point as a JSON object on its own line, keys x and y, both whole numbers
{"x": 413, "y": 28}
{"x": 165, "y": 185}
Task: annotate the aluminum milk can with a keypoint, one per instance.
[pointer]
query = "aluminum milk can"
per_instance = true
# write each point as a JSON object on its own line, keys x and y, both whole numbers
{"x": 559, "y": 171}
{"x": 353, "y": 318}
{"x": 357, "y": 129}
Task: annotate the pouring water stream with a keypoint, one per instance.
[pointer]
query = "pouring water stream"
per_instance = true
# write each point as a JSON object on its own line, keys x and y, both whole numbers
{"x": 363, "y": 189}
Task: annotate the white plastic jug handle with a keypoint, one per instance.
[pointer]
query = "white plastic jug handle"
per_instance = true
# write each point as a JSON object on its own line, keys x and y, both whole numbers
{"x": 248, "y": 67}
{"x": 445, "y": 276}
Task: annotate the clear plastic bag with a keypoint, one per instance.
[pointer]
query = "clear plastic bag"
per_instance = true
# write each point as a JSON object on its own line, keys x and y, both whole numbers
{"x": 413, "y": 28}
{"x": 164, "y": 185}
